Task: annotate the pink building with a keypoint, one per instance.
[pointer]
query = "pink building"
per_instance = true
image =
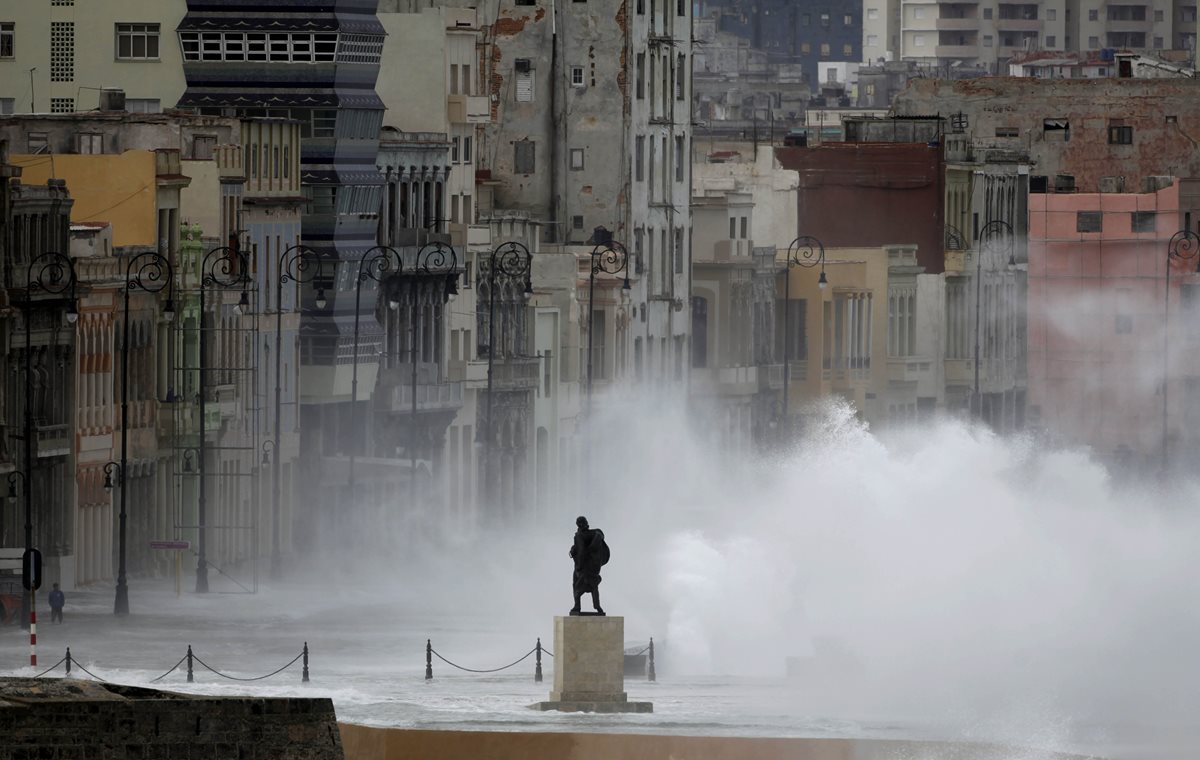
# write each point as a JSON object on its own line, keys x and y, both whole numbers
{"x": 1098, "y": 350}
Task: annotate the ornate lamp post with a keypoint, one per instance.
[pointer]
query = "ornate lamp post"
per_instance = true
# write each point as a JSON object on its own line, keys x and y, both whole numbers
{"x": 223, "y": 268}
{"x": 52, "y": 273}
{"x": 1183, "y": 246}
{"x": 1002, "y": 232}
{"x": 514, "y": 260}
{"x": 150, "y": 272}
{"x": 374, "y": 264}
{"x": 433, "y": 260}
{"x": 805, "y": 251}
{"x": 612, "y": 258}
{"x": 297, "y": 264}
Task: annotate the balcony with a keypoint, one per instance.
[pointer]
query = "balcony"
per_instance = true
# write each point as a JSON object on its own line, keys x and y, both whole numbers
{"x": 430, "y": 397}
{"x": 468, "y": 109}
{"x": 516, "y": 373}
{"x": 1129, "y": 25}
{"x": 726, "y": 381}
{"x": 956, "y": 51}
{"x": 1018, "y": 25}
{"x": 907, "y": 369}
{"x": 53, "y": 440}
{"x": 957, "y": 24}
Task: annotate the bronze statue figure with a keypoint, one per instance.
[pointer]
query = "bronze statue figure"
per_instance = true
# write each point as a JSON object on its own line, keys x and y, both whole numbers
{"x": 590, "y": 553}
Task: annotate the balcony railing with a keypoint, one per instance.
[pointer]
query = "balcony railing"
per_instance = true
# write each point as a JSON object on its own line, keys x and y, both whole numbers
{"x": 53, "y": 440}
{"x": 516, "y": 373}
{"x": 431, "y": 397}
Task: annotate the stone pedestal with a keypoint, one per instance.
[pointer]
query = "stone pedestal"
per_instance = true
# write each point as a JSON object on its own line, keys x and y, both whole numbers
{"x": 589, "y": 667}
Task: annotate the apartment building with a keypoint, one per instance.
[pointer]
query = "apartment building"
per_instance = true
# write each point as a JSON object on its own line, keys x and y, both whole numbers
{"x": 962, "y": 36}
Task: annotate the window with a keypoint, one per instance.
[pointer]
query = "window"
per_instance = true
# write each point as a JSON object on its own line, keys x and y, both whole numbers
{"x": 680, "y": 163}
{"x": 987, "y": 40}
{"x": 824, "y": 19}
{"x": 1158, "y": 42}
{"x": 1007, "y": 132}
{"x": 639, "y": 160}
{"x": 641, "y": 76}
{"x": 744, "y": 227}
{"x": 454, "y": 79}
{"x": 680, "y": 75}
{"x": 919, "y": 40}
{"x": 8, "y": 39}
{"x": 523, "y": 156}
{"x": 466, "y": 150}
{"x": 918, "y": 12}
{"x": 576, "y": 159}
{"x": 847, "y": 20}
{"x": 1051, "y": 40}
{"x": 202, "y": 147}
{"x": 524, "y": 80}
{"x": 143, "y": 105}
{"x": 733, "y": 228}
{"x": 89, "y": 143}
{"x": 987, "y": 13}
{"x": 1119, "y": 133}
{"x": 805, "y": 48}
{"x": 1158, "y": 15}
{"x": 36, "y": 142}
{"x": 6, "y": 106}
{"x": 577, "y": 76}
{"x": 847, "y": 50}
{"x": 680, "y": 7}
{"x": 1088, "y": 221}
{"x": 1143, "y": 221}
{"x": 455, "y": 144}
{"x": 525, "y": 2}
{"x": 872, "y": 40}
{"x": 824, "y": 49}
{"x": 1093, "y": 15}
{"x": 870, "y": 90}
{"x": 466, "y": 79}
{"x": 641, "y": 7}
{"x": 1093, "y": 43}
{"x": 577, "y": 222}
{"x": 1051, "y": 14}
{"x": 872, "y": 14}
{"x": 806, "y": 19}
{"x": 137, "y": 42}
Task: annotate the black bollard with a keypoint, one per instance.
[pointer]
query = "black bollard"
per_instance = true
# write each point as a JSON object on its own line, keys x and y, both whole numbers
{"x": 428, "y": 659}
{"x": 650, "y": 672}
{"x": 68, "y": 660}
{"x": 304, "y": 677}
{"x": 189, "y": 660}
{"x": 537, "y": 672}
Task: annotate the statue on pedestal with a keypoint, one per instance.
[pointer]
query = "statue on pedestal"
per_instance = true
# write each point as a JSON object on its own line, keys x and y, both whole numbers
{"x": 590, "y": 553}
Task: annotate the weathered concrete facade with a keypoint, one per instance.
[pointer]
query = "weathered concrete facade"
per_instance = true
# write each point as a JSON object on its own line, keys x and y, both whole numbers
{"x": 1098, "y": 134}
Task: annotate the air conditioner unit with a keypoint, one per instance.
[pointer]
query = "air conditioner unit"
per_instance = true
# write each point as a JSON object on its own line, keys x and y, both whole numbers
{"x": 523, "y": 66}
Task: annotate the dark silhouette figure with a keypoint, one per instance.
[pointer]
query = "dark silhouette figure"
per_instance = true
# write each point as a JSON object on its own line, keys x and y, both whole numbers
{"x": 57, "y": 601}
{"x": 590, "y": 553}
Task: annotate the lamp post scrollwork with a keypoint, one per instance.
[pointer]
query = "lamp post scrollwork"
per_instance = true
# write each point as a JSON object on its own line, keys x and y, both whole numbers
{"x": 221, "y": 269}
{"x": 808, "y": 252}
{"x": 1183, "y": 246}
{"x": 50, "y": 273}
{"x": 610, "y": 258}
{"x": 298, "y": 264}
{"x": 513, "y": 260}
{"x": 149, "y": 272}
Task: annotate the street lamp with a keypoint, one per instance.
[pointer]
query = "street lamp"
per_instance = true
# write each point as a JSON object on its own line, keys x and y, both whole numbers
{"x": 612, "y": 258}
{"x": 222, "y": 268}
{"x": 374, "y": 264}
{"x": 1183, "y": 246}
{"x": 805, "y": 251}
{"x": 151, "y": 272}
{"x": 1002, "y": 232}
{"x": 438, "y": 261}
{"x": 52, "y": 273}
{"x": 297, "y": 264}
{"x": 511, "y": 259}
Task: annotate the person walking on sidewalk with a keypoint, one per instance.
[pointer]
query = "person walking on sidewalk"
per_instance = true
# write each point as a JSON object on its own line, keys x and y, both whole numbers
{"x": 57, "y": 600}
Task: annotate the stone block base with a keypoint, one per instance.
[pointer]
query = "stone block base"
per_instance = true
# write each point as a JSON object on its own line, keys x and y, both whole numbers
{"x": 595, "y": 706}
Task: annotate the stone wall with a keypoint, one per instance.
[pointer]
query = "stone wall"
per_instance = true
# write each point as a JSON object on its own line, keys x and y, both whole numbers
{"x": 68, "y": 719}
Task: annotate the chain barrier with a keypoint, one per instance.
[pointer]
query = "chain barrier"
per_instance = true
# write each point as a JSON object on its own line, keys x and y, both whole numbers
{"x": 538, "y": 649}
{"x": 189, "y": 658}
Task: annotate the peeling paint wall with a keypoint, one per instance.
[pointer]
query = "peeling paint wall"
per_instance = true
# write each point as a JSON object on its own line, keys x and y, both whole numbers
{"x": 1005, "y": 114}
